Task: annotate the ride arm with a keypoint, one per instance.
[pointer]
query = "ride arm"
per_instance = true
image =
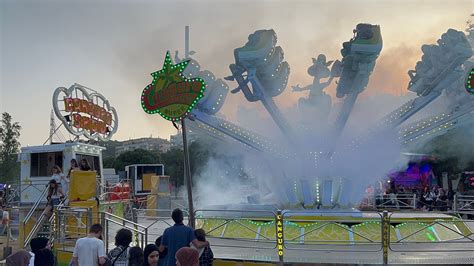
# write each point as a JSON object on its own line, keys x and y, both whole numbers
{"x": 243, "y": 83}
{"x": 298, "y": 88}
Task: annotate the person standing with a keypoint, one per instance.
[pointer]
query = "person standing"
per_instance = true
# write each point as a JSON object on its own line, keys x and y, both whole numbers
{"x": 206, "y": 256}
{"x": 6, "y": 223}
{"x": 74, "y": 166}
{"x": 5, "y": 219}
{"x": 135, "y": 256}
{"x": 38, "y": 244}
{"x": 162, "y": 261}
{"x": 187, "y": 257}
{"x": 90, "y": 250}
{"x": 84, "y": 165}
{"x": 178, "y": 236}
{"x": 119, "y": 255}
{"x": 60, "y": 178}
{"x": 55, "y": 194}
{"x": 151, "y": 255}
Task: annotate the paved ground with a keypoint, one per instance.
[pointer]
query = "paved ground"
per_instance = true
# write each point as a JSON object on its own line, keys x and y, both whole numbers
{"x": 356, "y": 254}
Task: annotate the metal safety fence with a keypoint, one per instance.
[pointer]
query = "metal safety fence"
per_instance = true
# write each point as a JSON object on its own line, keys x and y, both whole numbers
{"x": 281, "y": 236}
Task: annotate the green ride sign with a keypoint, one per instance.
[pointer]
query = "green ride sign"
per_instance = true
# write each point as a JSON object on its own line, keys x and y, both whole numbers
{"x": 470, "y": 81}
{"x": 170, "y": 94}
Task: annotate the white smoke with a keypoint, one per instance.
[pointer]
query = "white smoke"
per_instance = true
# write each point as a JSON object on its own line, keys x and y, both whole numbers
{"x": 217, "y": 187}
{"x": 363, "y": 164}
{"x": 271, "y": 176}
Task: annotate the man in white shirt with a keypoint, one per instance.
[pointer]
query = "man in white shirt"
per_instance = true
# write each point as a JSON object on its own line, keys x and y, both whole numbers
{"x": 90, "y": 250}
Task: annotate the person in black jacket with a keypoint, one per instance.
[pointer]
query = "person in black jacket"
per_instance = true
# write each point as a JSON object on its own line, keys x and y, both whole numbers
{"x": 42, "y": 251}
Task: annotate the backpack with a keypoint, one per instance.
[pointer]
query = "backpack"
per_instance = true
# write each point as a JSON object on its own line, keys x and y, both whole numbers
{"x": 111, "y": 262}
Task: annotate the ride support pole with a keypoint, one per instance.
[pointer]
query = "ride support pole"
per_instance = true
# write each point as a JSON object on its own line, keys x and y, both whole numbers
{"x": 188, "y": 176}
{"x": 385, "y": 236}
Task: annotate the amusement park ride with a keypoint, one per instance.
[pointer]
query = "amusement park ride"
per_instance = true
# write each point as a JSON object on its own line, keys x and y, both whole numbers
{"x": 262, "y": 74}
{"x": 302, "y": 173}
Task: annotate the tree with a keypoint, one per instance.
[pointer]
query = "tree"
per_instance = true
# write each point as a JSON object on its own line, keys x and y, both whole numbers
{"x": 138, "y": 156}
{"x": 9, "y": 147}
{"x": 199, "y": 154}
{"x": 174, "y": 166}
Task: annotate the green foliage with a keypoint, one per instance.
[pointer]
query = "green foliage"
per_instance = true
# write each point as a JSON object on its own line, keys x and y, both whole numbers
{"x": 9, "y": 147}
{"x": 174, "y": 165}
{"x": 230, "y": 165}
{"x": 138, "y": 156}
{"x": 109, "y": 147}
{"x": 109, "y": 162}
{"x": 199, "y": 154}
{"x": 200, "y": 151}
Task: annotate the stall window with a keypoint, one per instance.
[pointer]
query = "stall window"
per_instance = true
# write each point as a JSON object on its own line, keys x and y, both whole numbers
{"x": 94, "y": 161}
{"x": 41, "y": 163}
{"x": 158, "y": 170}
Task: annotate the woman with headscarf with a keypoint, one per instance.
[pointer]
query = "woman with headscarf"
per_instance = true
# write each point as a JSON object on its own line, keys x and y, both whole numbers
{"x": 187, "y": 257}
{"x": 19, "y": 258}
{"x": 151, "y": 255}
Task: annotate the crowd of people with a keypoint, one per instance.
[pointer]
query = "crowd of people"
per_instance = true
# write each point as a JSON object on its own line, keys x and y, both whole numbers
{"x": 179, "y": 245}
{"x": 40, "y": 254}
{"x": 423, "y": 198}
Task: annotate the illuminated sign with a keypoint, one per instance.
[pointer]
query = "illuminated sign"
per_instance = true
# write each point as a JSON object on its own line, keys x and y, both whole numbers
{"x": 85, "y": 114}
{"x": 279, "y": 235}
{"x": 470, "y": 82}
{"x": 170, "y": 94}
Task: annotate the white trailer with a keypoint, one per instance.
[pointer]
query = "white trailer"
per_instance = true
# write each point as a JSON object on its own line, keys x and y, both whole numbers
{"x": 135, "y": 175}
{"x": 37, "y": 161}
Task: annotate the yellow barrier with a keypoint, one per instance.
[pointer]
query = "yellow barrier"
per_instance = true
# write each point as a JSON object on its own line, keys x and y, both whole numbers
{"x": 147, "y": 183}
{"x": 83, "y": 185}
{"x": 25, "y": 230}
{"x": 151, "y": 205}
{"x": 63, "y": 258}
{"x": 154, "y": 182}
{"x": 77, "y": 223}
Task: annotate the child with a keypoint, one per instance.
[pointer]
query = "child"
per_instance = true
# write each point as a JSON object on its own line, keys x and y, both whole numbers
{"x": 206, "y": 257}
